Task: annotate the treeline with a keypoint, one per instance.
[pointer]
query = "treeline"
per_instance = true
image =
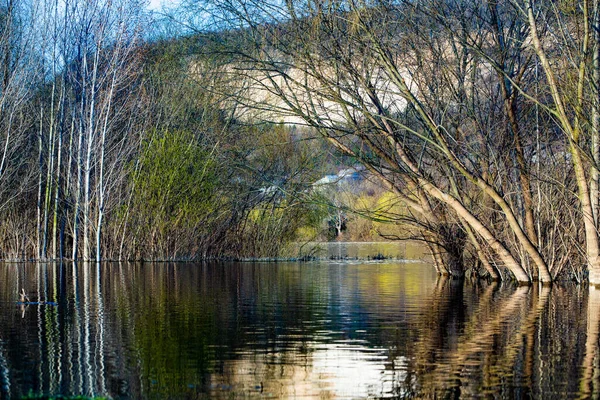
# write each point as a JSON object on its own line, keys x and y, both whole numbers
{"x": 481, "y": 116}
{"x": 110, "y": 150}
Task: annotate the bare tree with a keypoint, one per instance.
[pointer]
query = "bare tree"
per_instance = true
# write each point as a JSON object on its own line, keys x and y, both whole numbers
{"x": 387, "y": 84}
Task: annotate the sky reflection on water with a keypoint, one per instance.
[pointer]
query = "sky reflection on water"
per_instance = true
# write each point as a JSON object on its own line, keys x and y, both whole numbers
{"x": 291, "y": 330}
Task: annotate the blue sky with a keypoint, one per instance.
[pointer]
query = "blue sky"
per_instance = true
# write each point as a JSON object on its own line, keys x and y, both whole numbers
{"x": 155, "y": 4}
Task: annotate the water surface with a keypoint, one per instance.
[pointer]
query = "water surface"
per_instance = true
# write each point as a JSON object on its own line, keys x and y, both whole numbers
{"x": 291, "y": 330}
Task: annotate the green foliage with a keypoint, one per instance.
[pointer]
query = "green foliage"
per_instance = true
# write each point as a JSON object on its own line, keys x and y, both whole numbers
{"x": 175, "y": 184}
{"x": 177, "y": 177}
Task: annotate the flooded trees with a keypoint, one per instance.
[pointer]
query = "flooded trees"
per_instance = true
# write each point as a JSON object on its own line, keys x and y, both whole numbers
{"x": 203, "y": 184}
{"x": 572, "y": 82}
{"x": 455, "y": 105}
{"x": 478, "y": 116}
{"x": 86, "y": 127}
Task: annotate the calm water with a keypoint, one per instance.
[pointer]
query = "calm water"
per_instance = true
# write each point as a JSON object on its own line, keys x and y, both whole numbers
{"x": 313, "y": 330}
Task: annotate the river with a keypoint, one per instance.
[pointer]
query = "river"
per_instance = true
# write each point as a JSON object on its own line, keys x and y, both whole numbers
{"x": 324, "y": 329}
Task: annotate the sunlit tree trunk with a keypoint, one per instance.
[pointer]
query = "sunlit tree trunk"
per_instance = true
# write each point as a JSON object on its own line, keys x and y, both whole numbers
{"x": 40, "y": 180}
{"x": 79, "y": 169}
{"x": 573, "y": 130}
{"x": 101, "y": 184}
{"x": 49, "y": 172}
{"x": 58, "y": 181}
{"x": 595, "y": 141}
{"x": 87, "y": 169}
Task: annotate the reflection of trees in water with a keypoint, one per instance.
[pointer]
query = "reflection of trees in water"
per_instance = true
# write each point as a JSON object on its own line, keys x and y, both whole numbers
{"x": 5, "y": 390}
{"x": 590, "y": 377}
{"x": 56, "y": 349}
{"x": 514, "y": 342}
{"x": 272, "y": 320}
{"x": 154, "y": 331}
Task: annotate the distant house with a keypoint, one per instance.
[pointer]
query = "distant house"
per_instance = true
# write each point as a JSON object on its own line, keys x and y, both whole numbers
{"x": 351, "y": 174}
{"x": 326, "y": 180}
{"x": 346, "y": 175}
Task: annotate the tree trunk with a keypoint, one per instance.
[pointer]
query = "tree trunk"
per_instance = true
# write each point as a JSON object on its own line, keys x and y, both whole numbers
{"x": 76, "y": 209}
{"x": 40, "y": 181}
{"x": 591, "y": 234}
{"x": 501, "y": 251}
{"x": 594, "y": 184}
{"x": 49, "y": 175}
{"x": 87, "y": 186}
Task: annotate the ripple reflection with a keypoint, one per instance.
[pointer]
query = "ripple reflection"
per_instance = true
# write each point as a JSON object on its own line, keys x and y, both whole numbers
{"x": 316, "y": 330}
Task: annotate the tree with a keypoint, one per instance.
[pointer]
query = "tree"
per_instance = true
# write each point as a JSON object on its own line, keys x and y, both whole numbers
{"x": 438, "y": 99}
{"x": 92, "y": 51}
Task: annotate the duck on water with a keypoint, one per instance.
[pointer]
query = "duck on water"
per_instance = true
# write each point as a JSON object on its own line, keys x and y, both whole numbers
{"x": 24, "y": 300}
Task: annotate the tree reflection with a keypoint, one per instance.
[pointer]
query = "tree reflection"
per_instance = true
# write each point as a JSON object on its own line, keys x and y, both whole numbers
{"x": 328, "y": 331}
{"x": 54, "y": 349}
{"x": 590, "y": 379}
{"x": 494, "y": 342}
